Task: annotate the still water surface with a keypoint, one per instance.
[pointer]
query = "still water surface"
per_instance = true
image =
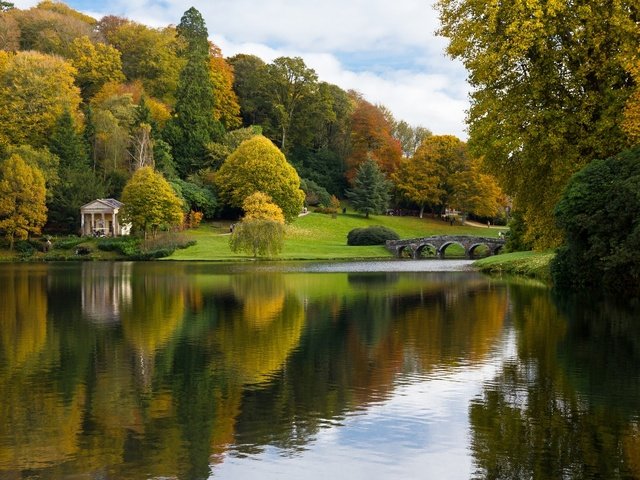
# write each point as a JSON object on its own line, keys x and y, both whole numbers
{"x": 310, "y": 371}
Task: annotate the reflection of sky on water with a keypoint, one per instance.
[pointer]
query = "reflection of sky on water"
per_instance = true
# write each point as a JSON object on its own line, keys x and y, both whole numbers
{"x": 420, "y": 432}
{"x": 406, "y": 265}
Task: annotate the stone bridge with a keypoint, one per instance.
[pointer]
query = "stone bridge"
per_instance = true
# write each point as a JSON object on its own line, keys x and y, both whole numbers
{"x": 414, "y": 247}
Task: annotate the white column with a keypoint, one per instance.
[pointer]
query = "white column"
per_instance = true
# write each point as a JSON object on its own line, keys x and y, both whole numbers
{"x": 115, "y": 223}
{"x": 93, "y": 223}
{"x": 82, "y": 232}
{"x": 104, "y": 225}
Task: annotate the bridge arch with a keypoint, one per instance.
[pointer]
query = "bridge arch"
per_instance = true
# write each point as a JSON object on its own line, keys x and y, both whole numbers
{"x": 472, "y": 249}
{"x": 419, "y": 252}
{"x": 405, "y": 251}
{"x": 447, "y": 244}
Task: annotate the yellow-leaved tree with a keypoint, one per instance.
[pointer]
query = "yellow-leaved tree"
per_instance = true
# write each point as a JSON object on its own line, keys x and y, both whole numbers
{"x": 260, "y": 206}
{"x": 35, "y": 89}
{"x": 258, "y": 165}
{"x": 150, "y": 203}
{"x": 419, "y": 178}
{"x": 23, "y": 208}
{"x": 631, "y": 122}
{"x": 97, "y": 64}
{"x": 476, "y": 192}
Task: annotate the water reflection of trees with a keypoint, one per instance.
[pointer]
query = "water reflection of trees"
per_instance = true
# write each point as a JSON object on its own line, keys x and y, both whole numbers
{"x": 355, "y": 354}
{"x": 567, "y": 406}
{"x": 155, "y": 370}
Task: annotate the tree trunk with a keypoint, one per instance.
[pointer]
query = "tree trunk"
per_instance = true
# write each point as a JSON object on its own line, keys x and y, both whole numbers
{"x": 421, "y": 210}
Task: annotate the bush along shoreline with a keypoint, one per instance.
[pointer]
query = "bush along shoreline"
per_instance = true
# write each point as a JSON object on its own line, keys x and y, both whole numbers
{"x": 51, "y": 249}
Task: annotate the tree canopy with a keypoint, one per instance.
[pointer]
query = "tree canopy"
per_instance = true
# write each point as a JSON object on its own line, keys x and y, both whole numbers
{"x": 22, "y": 199}
{"x": 150, "y": 203}
{"x": 549, "y": 85}
{"x": 258, "y": 165}
{"x": 599, "y": 212}
{"x": 370, "y": 191}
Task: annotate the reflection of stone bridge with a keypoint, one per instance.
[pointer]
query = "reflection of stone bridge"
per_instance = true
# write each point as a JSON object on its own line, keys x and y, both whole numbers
{"x": 414, "y": 247}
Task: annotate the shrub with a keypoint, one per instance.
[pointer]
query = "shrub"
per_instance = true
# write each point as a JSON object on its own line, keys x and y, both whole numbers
{"x": 315, "y": 194}
{"x": 127, "y": 246}
{"x": 24, "y": 248}
{"x": 68, "y": 243}
{"x": 326, "y": 210}
{"x": 374, "y": 235}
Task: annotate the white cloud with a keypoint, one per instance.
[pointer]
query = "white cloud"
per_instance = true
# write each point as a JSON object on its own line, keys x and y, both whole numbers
{"x": 386, "y": 50}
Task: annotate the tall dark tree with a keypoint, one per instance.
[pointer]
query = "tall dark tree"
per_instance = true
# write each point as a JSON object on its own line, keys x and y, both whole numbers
{"x": 67, "y": 143}
{"x": 193, "y": 125}
{"x": 78, "y": 183}
{"x": 370, "y": 191}
{"x": 249, "y": 76}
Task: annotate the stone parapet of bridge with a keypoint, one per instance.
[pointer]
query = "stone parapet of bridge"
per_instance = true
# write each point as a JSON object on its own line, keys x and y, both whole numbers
{"x": 413, "y": 247}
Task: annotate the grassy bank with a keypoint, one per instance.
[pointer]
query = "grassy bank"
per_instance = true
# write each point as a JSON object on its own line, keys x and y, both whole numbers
{"x": 312, "y": 237}
{"x": 528, "y": 264}
{"x": 321, "y": 237}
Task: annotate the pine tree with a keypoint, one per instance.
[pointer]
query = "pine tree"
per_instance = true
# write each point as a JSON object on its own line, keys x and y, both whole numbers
{"x": 193, "y": 125}
{"x": 78, "y": 183}
{"x": 370, "y": 191}
{"x": 68, "y": 144}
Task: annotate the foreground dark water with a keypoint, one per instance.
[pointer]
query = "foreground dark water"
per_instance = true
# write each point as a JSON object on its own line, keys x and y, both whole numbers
{"x": 164, "y": 370}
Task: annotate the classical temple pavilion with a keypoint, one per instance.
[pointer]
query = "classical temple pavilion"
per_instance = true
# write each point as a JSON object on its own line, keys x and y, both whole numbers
{"x": 100, "y": 218}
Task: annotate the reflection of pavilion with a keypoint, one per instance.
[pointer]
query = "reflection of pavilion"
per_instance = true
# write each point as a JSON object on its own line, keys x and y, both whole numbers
{"x": 105, "y": 287}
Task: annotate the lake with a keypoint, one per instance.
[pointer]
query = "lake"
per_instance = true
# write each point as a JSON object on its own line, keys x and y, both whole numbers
{"x": 371, "y": 370}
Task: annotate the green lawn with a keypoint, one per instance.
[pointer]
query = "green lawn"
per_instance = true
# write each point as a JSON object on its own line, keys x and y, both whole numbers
{"x": 320, "y": 237}
{"x": 528, "y": 264}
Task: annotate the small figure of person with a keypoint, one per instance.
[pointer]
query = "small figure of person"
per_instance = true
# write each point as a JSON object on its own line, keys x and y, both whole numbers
{"x": 231, "y": 227}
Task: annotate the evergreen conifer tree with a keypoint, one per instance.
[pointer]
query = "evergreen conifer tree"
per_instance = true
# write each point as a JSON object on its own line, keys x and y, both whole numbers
{"x": 370, "y": 191}
{"x": 193, "y": 125}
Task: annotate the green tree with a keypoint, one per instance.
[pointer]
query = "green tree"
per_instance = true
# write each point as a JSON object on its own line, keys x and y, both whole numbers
{"x": 289, "y": 81}
{"x": 258, "y": 165}
{"x": 549, "y": 86}
{"x": 370, "y": 191}
{"x": 68, "y": 144}
{"x": 258, "y": 237}
{"x": 250, "y": 74}
{"x": 150, "y": 202}
{"x": 193, "y": 125}
{"x": 599, "y": 213}
{"x": 78, "y": 183}
{"x": 22, "y": 199}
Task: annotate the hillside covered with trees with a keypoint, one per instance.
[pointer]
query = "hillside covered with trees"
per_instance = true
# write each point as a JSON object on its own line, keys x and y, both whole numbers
{"x": 84, "y": 103}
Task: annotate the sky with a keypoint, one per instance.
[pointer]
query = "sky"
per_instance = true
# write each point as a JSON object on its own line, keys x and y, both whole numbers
{"x": 387, "y": 50}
